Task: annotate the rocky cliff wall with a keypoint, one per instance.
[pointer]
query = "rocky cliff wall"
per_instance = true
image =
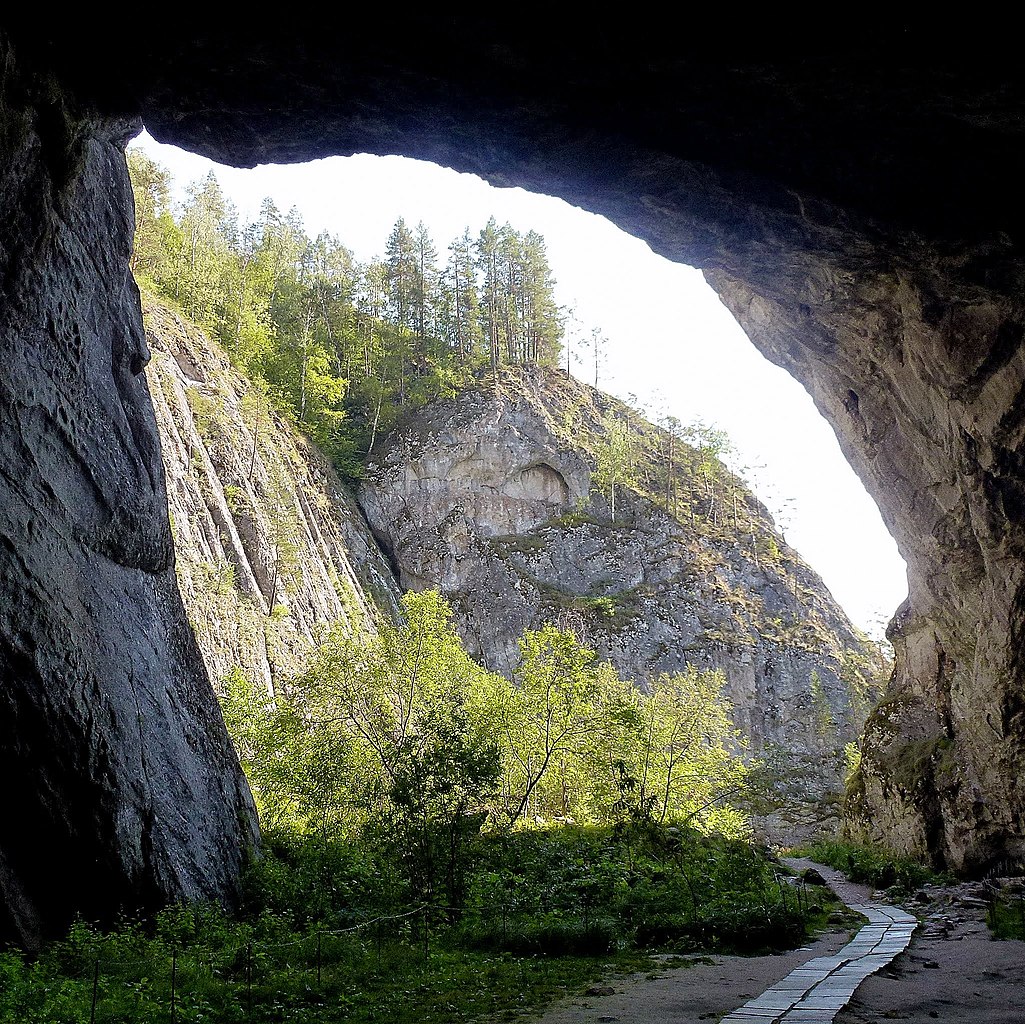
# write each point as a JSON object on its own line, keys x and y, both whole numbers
{"x": 122, "y": 788}
{"x": 856, "y": 201}
{"x": 494, "y": 499}
{"x": 920, "y": 370}
{"x": 270, "y": 548}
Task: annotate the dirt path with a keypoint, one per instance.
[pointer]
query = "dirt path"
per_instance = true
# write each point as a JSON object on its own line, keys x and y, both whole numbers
{"x": 951, "y": 971}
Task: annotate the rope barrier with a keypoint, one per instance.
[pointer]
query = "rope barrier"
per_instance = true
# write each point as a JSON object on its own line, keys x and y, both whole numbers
{"x": 183, "y": 961}
{"x": 117, "y": 959}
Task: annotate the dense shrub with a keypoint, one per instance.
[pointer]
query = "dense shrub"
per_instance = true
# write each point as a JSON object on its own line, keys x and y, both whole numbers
{"x": 873, "y": 865}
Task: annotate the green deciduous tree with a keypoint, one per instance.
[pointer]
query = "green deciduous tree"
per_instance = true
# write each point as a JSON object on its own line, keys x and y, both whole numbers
{"x": 549, "y": 720}
{"x": 688, "y": 763}
{"x": 151, "y": 188}
{"x": 615, "y": 457}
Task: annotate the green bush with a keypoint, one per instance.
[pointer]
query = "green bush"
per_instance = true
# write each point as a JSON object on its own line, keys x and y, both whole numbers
{"x": 872, "y": 865}
{"x": 1006, "y": 918}
{"x": 755, "y": 930}
{"x": 549, "y": 936}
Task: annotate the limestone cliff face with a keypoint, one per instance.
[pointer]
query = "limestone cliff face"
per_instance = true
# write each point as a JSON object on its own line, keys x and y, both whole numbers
{"x": 121, "y": 785}
{"x": 495, "y": 499}
{"x": 270, "y": 549}
{"x": 920, "y": 370}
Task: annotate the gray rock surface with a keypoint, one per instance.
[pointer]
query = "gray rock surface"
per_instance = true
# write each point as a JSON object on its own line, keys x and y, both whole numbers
{"x": 493, "y": 498}
{"x": 271, "y": 549}
{"x": 918, "y": 364}
{"x": 855, "y": 200}
{"x": 122, "y": 788}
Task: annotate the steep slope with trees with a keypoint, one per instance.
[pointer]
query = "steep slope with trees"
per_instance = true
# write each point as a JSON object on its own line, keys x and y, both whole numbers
{"x": 342, "y": 348}
{"x": 635, "y": 538}
{"x": 360, "y": 714}
{"x": 541, "y": 499}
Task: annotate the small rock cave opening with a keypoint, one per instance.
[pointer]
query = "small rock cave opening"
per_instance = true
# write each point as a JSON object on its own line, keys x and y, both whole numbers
{"x": 538, "y": 482}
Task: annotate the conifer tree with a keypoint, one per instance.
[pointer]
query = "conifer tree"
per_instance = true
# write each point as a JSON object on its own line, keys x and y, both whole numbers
{"x": 342, "y": 348}
{"x": 462, "y": 323}
{"x": 425, "y": 291}
{"x": 401, "y": 261}
{"x": 488, "y": 244}
{"x": 543, "y": 324}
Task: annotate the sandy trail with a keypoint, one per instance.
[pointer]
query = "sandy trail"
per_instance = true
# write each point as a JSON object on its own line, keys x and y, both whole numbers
{"x": 952, "y": 971}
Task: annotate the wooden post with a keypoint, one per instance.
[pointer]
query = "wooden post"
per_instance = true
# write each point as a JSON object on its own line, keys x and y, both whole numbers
{"x": 96, "y": 989}
{"x": 174, "y": 980}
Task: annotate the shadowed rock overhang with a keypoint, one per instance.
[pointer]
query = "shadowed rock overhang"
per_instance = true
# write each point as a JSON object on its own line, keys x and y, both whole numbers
{"x": 856, "y": 207}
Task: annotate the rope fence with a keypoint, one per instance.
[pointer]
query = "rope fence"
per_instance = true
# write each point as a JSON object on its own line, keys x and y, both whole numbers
{"x": 237, "y": 972}
{"x": 252, "y": 980}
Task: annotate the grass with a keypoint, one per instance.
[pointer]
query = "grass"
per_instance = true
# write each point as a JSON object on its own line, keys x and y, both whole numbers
{"x": 329, "y": 931}
{"x": 1006, "y": 917}
{"x": 872, "y": 865}
{"x": 356, "y": 979}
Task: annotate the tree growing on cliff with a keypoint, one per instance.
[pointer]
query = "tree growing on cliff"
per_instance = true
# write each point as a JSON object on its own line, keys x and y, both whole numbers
{"x": 615, "y": 457}
{"x": 283, "y": 534}
{"x": 461, "y": 317}
{"x": 344, "y": 348}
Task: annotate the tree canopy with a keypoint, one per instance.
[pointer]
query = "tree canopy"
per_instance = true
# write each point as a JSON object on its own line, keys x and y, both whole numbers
{"x": 344, "y": 347}
{"x": 401, "y": 730}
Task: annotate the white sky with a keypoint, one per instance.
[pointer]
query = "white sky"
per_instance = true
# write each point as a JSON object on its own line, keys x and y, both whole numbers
{"x": 672, "y": 346}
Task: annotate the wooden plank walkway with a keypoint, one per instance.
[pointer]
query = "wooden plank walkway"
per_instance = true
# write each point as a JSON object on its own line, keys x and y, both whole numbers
{"x": 818, "y": 990}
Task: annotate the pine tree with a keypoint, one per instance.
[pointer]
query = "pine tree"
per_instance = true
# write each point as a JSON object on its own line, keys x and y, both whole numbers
{"x": 402, "y": 263}
{"x": 510, "y": 295}
{"x": 488, "y": 260}
{"x": 425, "y": 291}
{"x": 543, "y": 323}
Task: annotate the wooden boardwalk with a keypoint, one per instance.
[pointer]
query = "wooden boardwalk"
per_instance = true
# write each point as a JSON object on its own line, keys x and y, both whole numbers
{"x": 818, "y": 990}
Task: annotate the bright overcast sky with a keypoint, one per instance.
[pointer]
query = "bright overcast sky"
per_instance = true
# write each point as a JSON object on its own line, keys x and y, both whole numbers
{"x": 672, "y": 346}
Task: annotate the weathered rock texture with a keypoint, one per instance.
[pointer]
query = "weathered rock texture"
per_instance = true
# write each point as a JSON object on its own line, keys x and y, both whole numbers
{"x": 495, "y": 499}
{"x": 857, "y": 204}
{"x": 121, "y": 786}
{"x": 271, "y": 550}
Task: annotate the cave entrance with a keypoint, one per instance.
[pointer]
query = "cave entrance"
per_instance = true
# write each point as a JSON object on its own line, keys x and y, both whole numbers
{"x": 648, "y": 330}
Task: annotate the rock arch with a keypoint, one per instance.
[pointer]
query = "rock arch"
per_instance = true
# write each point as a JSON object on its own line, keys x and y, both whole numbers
{"x": 857, "y": 209}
